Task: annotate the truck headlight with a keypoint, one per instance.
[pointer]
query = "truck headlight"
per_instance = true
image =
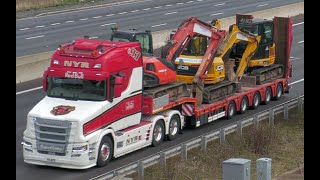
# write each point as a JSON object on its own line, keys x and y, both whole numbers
{"x": 80, "y": 150}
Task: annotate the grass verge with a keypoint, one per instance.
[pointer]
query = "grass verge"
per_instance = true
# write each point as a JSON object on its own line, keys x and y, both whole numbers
{"x": 284, "y": 144}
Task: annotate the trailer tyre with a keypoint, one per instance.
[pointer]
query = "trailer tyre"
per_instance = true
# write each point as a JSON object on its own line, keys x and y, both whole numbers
{"x": 105, "y": 151}
{"x": 279, "y": 91}
{"x": 174, "y": 127}
{"x": 268, "y": 96}
{"x": 231, "y": 109}
{"x": 158, "y": 133}
{"x": 256, "y": 100}
{"x": 244, "y": 105}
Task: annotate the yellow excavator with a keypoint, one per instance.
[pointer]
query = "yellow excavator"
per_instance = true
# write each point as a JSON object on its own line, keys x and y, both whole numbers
{"x": 215, "y": 76}
{"x": 264, "y": 55}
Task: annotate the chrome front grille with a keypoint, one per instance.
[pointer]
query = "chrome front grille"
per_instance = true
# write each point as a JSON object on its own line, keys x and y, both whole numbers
{"x": 52, "y": 136}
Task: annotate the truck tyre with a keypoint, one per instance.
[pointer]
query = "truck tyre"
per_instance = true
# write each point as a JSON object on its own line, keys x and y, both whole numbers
{"x": 158, "y": 133}
{"x": 256, "y": 100}
{"x": 268, "y": 96}
{"x": 231, "y": 109}
{"x": 279, "y": 91}
{"x": 105, "y": 151}
{"x": 174, "y": 127}
{"x": 244, "y": 105}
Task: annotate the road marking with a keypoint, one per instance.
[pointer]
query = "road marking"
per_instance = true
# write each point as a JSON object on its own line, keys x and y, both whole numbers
{"x": 33, "y": 89}
{"x": 220, "y": 4}
{"x": 97, "y": 17}
{"x": 110, "y": 15}
{"x": 169, "y": 5}
{"x": 189, "y": 2}
{"x": 123, "y": 13}
{"x": 301, "y": 42}
{"x": 179, "y": 3}
{"x": 40, "y": 26}
{"x": 262, "y": 5}
{"x": 158, "y": 7}
{"x": 146, "y": 9}
{"x": 293, "y": 58}
{"x": 34, "y": 37}
{"x": 298, "y": 24}
{"x": 24, "y": 29}
{"x": 135, "y": 11}
{"x": 54, "y": 24}
{"x": 199, "y": 0}
{"x": 93, "y": 37}
{"x": 69, "y": 21}
{"x": 216, "y": 14}
{"x": 300, "y": 80}
{"x": 170, "y": 13}
{"x": 159, "y": 25}
{"x": 84, "y": 19}
{"x": 108, "y": 24}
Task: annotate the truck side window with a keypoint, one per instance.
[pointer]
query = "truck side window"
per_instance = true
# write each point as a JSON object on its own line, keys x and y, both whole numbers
{"x": 144, "y": 42}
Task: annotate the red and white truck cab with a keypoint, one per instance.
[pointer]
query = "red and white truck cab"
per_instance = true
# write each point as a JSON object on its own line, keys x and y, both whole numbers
{"x": 93, "y": 108}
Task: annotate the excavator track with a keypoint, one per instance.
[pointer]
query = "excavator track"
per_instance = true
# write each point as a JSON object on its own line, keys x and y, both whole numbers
{"x": 216, "y": 92}
{"x": 175, "y": 90}
{"x": 267, "y": 74}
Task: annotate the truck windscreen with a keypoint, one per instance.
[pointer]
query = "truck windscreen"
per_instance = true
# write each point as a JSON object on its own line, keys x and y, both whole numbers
{"x": 77, "y": 89}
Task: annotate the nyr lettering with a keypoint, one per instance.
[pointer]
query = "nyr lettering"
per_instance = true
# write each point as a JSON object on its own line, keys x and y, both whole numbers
{"x": 76, "y": 75}
{"x": 76, "y": 64}
{"x": 134, "y": 53}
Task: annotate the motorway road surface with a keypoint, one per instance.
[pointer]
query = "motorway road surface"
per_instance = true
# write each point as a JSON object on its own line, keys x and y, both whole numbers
{"x": 45, "y": 33}
{"x": 25, "y": 101}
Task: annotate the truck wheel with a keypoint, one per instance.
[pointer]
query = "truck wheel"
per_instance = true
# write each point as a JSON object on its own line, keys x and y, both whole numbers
{"x": 105, "y": 151}
{"x": 231, "y": 109}
{"x": 174, "y": 127}
{"x": 279, "y": 91}
{"x": 244, "y": 105}
{"x": 268, "y": 96}
{"x": 256, "y": 100}
{"x": 158, "y": 133}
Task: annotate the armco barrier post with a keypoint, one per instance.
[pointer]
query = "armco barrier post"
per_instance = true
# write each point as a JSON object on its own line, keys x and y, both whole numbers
{"x": 222, "y": 136}
{"x": 184, "y": 152}
{"x": 300, "y": 107}
{"x": 271, "y": 117}
{"x": 140, "y": 170}
{"x": 239, "y": 128}
{"x": 163, "y": 159}
{"x": 264, "y": 169}
{"x": 204, "y": 143}
{"x": 285, "y": 112}
{"x": 115, "y": 176}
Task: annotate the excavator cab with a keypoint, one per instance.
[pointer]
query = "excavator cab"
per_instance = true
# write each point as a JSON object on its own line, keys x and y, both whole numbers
{"x": 131, "y": 35}
{"x": 265, "y": 54}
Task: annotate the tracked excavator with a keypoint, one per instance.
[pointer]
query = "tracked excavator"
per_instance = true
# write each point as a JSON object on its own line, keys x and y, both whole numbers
{"x": 193, "y": 49}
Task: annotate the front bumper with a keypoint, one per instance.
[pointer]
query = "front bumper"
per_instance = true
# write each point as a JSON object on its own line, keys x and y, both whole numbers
{"x": 32, "y": 156}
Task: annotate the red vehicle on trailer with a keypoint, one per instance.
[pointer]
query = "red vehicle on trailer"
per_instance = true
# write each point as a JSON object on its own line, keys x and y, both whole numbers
{"x": 97, "y": 108}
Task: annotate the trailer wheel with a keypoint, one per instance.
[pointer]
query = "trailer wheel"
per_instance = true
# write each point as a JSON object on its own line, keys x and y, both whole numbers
{"x": 268, "y": 96}
{"x": 105, "y": 151}
{"x": 256, "y": 100}
{"x": 158, "y": 133}
{"x": 244, "y": 105}
{"x": 279, "y": 91}
{"x": 231, "y": 109}
{"x": 174, "y": 127}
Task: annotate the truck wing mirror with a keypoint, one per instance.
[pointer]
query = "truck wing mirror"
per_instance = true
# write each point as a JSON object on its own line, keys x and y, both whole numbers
{"x": 118, "y": 80}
